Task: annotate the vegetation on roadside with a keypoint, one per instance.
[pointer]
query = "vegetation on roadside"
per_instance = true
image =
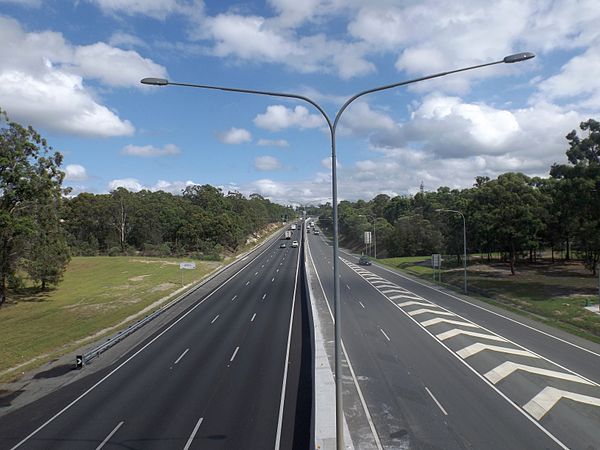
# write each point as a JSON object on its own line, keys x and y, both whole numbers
{"x": 554, "y": 293}
{"x": 96, "y": 294}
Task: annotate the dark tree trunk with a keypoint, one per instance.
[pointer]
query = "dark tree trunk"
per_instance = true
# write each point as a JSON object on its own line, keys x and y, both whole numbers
{"x": 568, "y": 253}
{"x": 512, "y": 259}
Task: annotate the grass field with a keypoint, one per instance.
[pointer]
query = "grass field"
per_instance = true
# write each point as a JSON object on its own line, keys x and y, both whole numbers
{"x": 96, "y": 293}
{"x": 553, "y": 292}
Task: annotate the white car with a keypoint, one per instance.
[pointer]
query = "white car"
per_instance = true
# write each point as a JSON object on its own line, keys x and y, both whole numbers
{"x": 294, "y": 244}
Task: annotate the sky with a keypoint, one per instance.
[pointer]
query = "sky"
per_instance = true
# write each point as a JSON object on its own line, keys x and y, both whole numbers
{"x": 72, "y": 70}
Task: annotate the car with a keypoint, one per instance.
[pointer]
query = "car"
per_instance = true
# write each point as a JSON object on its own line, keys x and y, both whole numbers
{"x": 316, "y": 232}
{"x": 294, "y": 244}
{"x": 282, "y": 245}
{"x": 364, "y": 261}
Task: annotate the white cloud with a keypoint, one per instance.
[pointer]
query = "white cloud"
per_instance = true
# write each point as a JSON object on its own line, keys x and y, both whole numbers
{"x": 235, "y": 136}
{"x": 122, "y": 39}
{"x": 158, "y": 9}
{"x": 361, "y": 119}
{"x": 266, "y": 163}
{"x": 281, "y": 143}
{"x": 131, "y": 184}
{"x": 279, "y": 117}
{"x": 174, "y": 187}
{"x": 578, "y": 80}
{"x": 150, "y": 151}
{"x": 75, "y": 172}
{"x": 42, "y": 80}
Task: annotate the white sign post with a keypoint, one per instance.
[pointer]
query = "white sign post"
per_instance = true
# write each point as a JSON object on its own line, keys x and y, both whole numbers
{"x": 186, "y": 265}
{"x": 436, "y": 263}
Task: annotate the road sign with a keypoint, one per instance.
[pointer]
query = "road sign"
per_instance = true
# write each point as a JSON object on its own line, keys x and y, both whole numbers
{"x": 79, "y": 361}
{"x": 367, "y": 237}
{"x": 187, "y": 265}
{"x": 436, "y": 260}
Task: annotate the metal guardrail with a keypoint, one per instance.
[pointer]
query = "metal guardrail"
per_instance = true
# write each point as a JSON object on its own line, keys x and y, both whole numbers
{"x": 83, "y": 359}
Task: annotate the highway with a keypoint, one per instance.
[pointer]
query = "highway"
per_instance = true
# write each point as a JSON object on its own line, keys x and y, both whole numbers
{"x": 222, "y": 375}
{"x": 437, "y": 371}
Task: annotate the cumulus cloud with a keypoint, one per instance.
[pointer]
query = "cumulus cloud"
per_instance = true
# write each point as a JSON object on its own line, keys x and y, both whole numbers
{"x": 234, "y": 136}
{"x": 42, "y": 80}
{"x": 266, "y": 163}
{"x": 149, "y": 151}
{"x": 131, "y": 184}
{"x": 75, "y": 172}
{"x": 279, "y": 117}
{"x": 281, "y": 143}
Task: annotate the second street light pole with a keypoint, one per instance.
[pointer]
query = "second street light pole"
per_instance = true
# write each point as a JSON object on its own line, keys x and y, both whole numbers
{"x": 339, "y": 422}
{"x": 464, "y": 240}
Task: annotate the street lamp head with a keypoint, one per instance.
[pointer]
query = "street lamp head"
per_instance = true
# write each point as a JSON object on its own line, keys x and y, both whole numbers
{"x": 155, "y": 81}
{"x": 518, "y": 57}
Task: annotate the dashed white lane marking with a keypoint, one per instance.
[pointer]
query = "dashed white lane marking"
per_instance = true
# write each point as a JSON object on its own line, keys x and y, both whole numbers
{"x": 505, "y": 369}
{"x": 430, "y": 311}
{"x": 348, "y": 287}
{"x": 473, "y": 349}
{"x": 277, "y": 270}
{"x": 193, "y": 435}
{"x": 264, "y": 295}
{"x": 182, "y": 355}
{"x": 437, "y": 320}
{"x": 255, "y": 273}
{"x": 361, "y": 304}
{"x": 386, "y": 336}
{"x": 539, "y": 405}
{"x": 234, "y": 353}
{"x": 215, "y": 319}
{"x": 107, "y": 438}
{"x": 234, "y": 297}
{"x": 247, "y": 283}
{"x": 253, "y": 317}
{"x": 436, "y": 401}
{"x": 456, "y": 331}
{"x": 272, "y": 279}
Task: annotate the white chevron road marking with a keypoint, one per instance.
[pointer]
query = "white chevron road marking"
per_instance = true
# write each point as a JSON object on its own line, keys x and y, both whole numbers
{"x": 543, "y": 402}
{"x": 505, "y": 369}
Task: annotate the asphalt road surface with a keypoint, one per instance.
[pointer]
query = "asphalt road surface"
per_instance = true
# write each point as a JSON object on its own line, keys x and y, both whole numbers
{"x": 437, "y": 371}
{"x": 222, "y": 375}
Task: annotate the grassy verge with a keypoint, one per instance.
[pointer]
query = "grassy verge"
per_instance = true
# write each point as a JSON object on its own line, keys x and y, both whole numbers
{"x": 96, "y": 293}
{"x": 553, "y": 293}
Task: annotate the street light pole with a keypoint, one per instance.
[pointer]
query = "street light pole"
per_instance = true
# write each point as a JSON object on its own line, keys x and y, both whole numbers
{"x": 518, "y": 57}
{"x": 464, "y": 240}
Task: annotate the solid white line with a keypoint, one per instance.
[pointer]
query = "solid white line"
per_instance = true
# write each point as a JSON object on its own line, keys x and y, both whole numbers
{"x": 51, "y": 419}
{"x": 436, "y": 401}
{"x": 287, "y": 359}
{"x": 507, "y": 368}
{"x": 234, "y": 297}
{"x": 492, "y": 312}
{"x": 215, "y": 319}
{"x": 361, "y": 304}
{"x": 345, "y": 353}
{"x": 193, "y": 435}
{"x": 182, "y": 355}
{"x": 252, "y": 320}
{"x": 107, "y": 438}
{"x": 234, "y": 353}
{"x": 386, "y": 336}
{"x": 485, "y": 380}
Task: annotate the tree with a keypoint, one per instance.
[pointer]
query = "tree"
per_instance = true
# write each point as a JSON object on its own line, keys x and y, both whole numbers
{"x": 30, "y": 176}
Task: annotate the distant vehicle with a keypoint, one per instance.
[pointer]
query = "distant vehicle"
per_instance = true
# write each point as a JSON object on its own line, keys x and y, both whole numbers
{"x": 316, "y": 232}
{"x": 294, "y": 244}
{"x": 364, "y": 261}
{"x": 308, "y": 230}
{"x": 282, "y": 245}
{"x": 288, "y": 234}
{"x": 293, "y": 226}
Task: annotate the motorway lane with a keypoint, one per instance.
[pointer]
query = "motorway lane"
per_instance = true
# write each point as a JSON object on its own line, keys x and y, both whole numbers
{"x": 418, "y": 394}
{"x": 213, "y": 380}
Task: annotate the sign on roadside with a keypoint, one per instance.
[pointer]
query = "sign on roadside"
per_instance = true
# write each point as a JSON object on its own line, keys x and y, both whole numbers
{"x": 187, "y": 265}
{"x": 436, "y": 260}
{"x": 367, "y": 237}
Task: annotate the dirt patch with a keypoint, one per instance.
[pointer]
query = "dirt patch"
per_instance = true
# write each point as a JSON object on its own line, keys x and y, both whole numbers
{"x": 138, "y": 278}
{"x": 163, "y": 287}
{"x": 155, "y": 261}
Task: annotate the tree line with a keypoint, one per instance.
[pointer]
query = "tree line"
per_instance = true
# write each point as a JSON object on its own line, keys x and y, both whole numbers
{"x": 42, "y": 225}
{"x": 514, "y": 215}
